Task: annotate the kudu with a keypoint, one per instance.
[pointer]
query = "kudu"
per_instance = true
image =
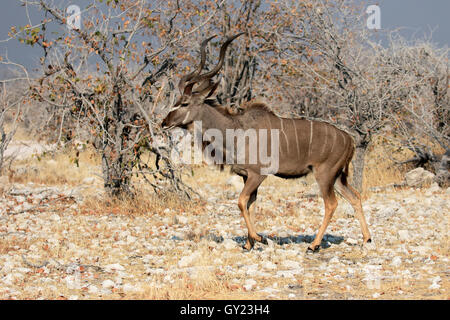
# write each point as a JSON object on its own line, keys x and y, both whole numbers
{"x": 304, "y": 146}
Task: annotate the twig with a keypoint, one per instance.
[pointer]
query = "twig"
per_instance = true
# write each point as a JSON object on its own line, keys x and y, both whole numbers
{"x": 37, "y": 266}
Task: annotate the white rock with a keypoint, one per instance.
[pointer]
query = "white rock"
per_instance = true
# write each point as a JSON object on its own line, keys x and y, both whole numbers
{"x": 386, "y": 212}
{"x": 434, "y": 286}
{"x": 124, "y": 234}
{"x": 114, "y": 267}
{"x": 396, "y": 262}
{"x": 286, "y": 274}
{"x": 108, "y": 284}
{"x": 72, "y": 282}
{"x": 188, "y": 260}
{"x": 403, "y": 235}
{"x": 251, "y": 269}
{"x": 334, "y": 260}
{"x": 434, "y": 187}
{"x": 290, "y": 264}
{"x": 8, "y": 266}
{"x": 236, "y": 182}
{"x": 435, "y": 283}
{"x": 269, "y": 265}
{"x": 8, "y": 279}
{"x": 27, "y": 206}
{"x": 402, "y": 211}
{"x": 93, "y": 289}
{"x": 418, "y": 177}
{"x": 351, "y": 241}
{"x": 131, "y": 239}
{"x": 229, "y": 244}
{"x": 129, "y": 288}
{"x": 249, "y": 284}
{"x": 182, "y": 219}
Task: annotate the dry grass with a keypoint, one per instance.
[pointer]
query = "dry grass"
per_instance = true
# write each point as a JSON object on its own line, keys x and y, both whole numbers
{"x": 142, "y": 203}
{"x": 380, "y": 169}
{"x": 56, "y": 169}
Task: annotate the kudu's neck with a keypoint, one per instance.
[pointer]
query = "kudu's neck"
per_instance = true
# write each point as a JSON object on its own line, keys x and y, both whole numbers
{"x": 211, "y": 118}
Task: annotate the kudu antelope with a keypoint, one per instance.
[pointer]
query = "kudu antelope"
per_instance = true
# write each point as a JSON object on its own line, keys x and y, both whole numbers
{"x": 304, "y": 146}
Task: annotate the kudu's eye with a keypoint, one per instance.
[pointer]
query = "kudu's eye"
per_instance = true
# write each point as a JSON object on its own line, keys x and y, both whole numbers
{"x": 184, "y": 104}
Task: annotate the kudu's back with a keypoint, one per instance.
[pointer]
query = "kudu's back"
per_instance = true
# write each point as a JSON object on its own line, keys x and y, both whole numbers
{"x": 302, "y": 144}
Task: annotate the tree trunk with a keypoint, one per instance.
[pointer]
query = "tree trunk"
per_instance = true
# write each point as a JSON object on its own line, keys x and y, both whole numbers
{"x": 442, "y": 167}
{"x": 362, "y": 143}
{"x": 358, "y": 167}
{"x": 116, "y": 175}
{"x": 117, "y": 163}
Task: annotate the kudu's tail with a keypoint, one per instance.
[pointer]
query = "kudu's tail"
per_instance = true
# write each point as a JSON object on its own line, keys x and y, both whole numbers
{"x": 345, "y": 171}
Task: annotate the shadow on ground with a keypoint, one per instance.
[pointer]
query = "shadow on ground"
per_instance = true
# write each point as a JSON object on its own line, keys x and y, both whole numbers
{"x": 301, "y": 238}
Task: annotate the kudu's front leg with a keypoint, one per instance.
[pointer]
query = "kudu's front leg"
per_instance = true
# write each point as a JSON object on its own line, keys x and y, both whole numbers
{"x": 246, "y": 205}
{"x": 326, "y": 183}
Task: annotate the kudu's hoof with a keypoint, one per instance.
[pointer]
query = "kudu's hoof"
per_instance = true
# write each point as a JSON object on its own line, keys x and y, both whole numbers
{"x": 315, "y": 250}
{"x": 248, "y": 246}
{"x": 368, "y": 246}
{"x": 263, "y": 239}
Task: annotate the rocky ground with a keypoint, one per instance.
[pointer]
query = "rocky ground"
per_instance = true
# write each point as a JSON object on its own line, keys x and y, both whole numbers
{"x": 50, "y": 249}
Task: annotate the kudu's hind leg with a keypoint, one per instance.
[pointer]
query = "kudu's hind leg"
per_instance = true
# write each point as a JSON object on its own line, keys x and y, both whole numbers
{"x": 329, "y": 198}
{"x": 251, "y": 211}
{"x": 246, "y": 205}
{"x": 354, "y": 198}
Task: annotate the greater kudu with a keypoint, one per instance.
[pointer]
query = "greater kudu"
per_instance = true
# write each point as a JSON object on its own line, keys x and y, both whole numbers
{"x": 304, "y": 146}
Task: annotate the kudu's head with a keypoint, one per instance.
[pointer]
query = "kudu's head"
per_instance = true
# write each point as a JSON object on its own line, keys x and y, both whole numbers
{"x": 196, "y": 89}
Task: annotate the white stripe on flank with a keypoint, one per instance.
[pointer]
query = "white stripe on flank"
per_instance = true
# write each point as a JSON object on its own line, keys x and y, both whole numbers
{"x": 343, "y": 137}
{"x": 310, "y": 137}
{"x": 296, "y": 136}
{"x": 326, "y": 140}
{"x": 284, "y": 133}
{"x": 334, "y": 140}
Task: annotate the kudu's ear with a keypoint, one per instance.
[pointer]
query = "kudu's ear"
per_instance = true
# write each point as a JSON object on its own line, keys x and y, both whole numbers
{"x": 188, "y": 89}
{"x": 212, "y": 103}
{"x": 213, "y": 89}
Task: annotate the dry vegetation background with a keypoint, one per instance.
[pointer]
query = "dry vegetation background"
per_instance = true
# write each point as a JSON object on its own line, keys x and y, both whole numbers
{"x": 79, "y": 222}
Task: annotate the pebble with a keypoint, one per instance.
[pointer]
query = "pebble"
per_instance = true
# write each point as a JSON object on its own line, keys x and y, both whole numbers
{"x": 290, "y": 264}
{"x": 269, "y": 265}
{"x": 108, "y": 284}
{"x": 351, "y": 241}
{"x": 396, "y": 262}
{"x": 188, "y": 260}
{"x": 229, "y": 244}
{"x": 131, "y": 251}
{"x": 114, "y": 267}
{"x": 403, "y": 235}
{"x": 249, "y": 284}
{"x": 93, "y": 289}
